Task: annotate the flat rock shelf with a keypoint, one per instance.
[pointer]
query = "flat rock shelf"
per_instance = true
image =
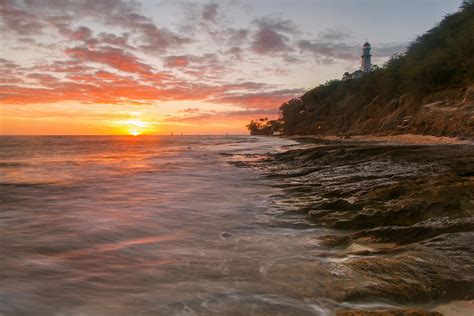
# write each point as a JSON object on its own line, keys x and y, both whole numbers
{"x": 402, "y": 213}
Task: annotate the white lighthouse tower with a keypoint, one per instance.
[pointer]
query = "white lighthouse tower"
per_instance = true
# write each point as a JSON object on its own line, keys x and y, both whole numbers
{"x": 366, "y": 65}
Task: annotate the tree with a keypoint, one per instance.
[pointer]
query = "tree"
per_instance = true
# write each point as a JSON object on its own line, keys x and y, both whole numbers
{"x": 263, "y": 126}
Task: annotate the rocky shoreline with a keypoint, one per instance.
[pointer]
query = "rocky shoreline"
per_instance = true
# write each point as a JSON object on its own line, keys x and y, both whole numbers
{"x": 403, "y": 213}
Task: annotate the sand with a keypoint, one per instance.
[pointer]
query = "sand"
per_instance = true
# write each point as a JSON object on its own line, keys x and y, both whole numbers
{"x": 404, "y": 139}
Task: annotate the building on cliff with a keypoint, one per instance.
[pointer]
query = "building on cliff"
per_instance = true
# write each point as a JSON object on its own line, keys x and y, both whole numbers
{"x": 365, "y": 67}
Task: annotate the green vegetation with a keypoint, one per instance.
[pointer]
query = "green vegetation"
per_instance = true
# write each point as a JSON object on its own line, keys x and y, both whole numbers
{"x": 437, "y": 66}
{"x": 264, "y": 126}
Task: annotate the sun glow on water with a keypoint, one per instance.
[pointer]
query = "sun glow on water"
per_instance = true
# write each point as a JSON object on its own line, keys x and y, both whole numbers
{"x": 134, "y": 132}
{"x": 136, "y": 127}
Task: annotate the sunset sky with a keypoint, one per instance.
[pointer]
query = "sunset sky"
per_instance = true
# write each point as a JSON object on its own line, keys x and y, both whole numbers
{"x": 192, "y": 67}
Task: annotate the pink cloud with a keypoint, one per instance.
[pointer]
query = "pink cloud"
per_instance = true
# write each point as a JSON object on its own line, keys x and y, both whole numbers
{"x": 113, "y": 57}
{"x": 177, "y": 61}
{"x": 81, "y": 34}
{"x": 44, "y": 79}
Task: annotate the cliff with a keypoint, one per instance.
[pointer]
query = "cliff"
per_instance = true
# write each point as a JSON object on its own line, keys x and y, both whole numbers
{"x": 447, "y": 112}
{"x": 427, "y": 90}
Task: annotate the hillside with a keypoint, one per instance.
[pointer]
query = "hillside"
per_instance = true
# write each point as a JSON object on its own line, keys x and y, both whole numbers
{"x": 427, "y": 90}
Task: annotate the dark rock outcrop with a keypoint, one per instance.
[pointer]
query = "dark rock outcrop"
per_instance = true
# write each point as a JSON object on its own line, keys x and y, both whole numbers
{"x": 392, "y": 312}
{"x": 405, "y": 214}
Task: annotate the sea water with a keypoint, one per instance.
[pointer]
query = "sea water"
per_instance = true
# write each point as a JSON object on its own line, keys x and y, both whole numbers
{"x": 158, "y": 225}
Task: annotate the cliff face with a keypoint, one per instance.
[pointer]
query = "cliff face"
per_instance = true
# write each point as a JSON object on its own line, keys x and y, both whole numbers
{"x": 427, "y": 90}
{"x": 444, "y": 113}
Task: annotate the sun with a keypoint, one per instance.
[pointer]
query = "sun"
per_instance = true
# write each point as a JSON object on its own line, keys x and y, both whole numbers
{"x": 134, "y": 132}
{"x": 135, "y": 127}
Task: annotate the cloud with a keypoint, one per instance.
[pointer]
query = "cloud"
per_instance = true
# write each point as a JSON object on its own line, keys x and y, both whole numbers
{"x": 268, "y": 41}
{"x": 235, "y": 52}
{"x": 190, "y": 110}
{"x": 330, "y": 34}
{"x": 236, "y": 36}
{"x": 209, "y": 12}
{"x": 205, "y": 59}
{"x": 62, "y": 23}
{"x": 22, "y": 22}
{"x": 103, "y": 48}
{"x": 334, "y": 44}
{"x": 68, "y": 66}
{"x": 82, "y": 33}
{"x": 246, "y": 86}
{"x": 153, "y": 39}
{"x": 114, "y": 40}
{"x": 4, "y": 63}
{"x": 276, "y": 71}
{"x": 128, "y": 80}
{"x": 176, "y": 61}
{"x": 17, "y": 17}
{"x": 328, "y": 51}
{"x": 277, "y": 24}
{"x": 86, "y": 89}
{"x": 132, "y": 82}
{"x": 271, "y": 35}
{"x": 44, "y": 79}
{"x": 206, "y": 65}
{"x": 113, "y": 57}
{"x": 258, "y": 100}
{"x": 90, "y": 8}
{"x": 216, "y": 116}
{"x": 85, "y": 35}
{"x": 9, "y": 72}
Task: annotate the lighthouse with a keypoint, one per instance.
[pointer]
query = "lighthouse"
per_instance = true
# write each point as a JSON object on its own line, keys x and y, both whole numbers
{"x": 366, "y": 65}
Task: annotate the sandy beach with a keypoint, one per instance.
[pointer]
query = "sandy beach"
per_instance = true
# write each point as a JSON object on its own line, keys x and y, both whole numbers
{"x": 403, "y": 139}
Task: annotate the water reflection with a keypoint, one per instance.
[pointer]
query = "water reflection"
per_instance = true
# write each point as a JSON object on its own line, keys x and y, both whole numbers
{"x": 151, "y": 225}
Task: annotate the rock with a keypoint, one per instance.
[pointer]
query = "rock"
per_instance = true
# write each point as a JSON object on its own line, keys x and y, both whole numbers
{"x": 406, "y": 215}
{"x": 438, "y": 268}
{"x": 415, "y": 233}
{"x": 387, "y": 312}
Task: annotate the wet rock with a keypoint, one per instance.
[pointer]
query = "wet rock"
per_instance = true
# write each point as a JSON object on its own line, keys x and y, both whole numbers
{"x": 401, "y": 204}
{"x": 401, "y": 235}
{"x": 415, "y": 233}
{"x": 340, "y": 205}
{"x": 387, "y": 312}
{"x": 225, "y": 235}
{"x": 438, "y": 268}
{"x": 406, "y": 213}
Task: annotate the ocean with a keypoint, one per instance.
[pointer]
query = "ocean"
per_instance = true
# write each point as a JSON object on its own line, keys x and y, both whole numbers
{"x": 111, "y": 225}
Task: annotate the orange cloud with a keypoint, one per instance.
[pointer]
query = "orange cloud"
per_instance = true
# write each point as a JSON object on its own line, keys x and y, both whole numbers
{"x": 107, "y": 87}
{"x": 132, "y": 82}
{"x": 43, "y": 78}
{"x": 110, "y": 56}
